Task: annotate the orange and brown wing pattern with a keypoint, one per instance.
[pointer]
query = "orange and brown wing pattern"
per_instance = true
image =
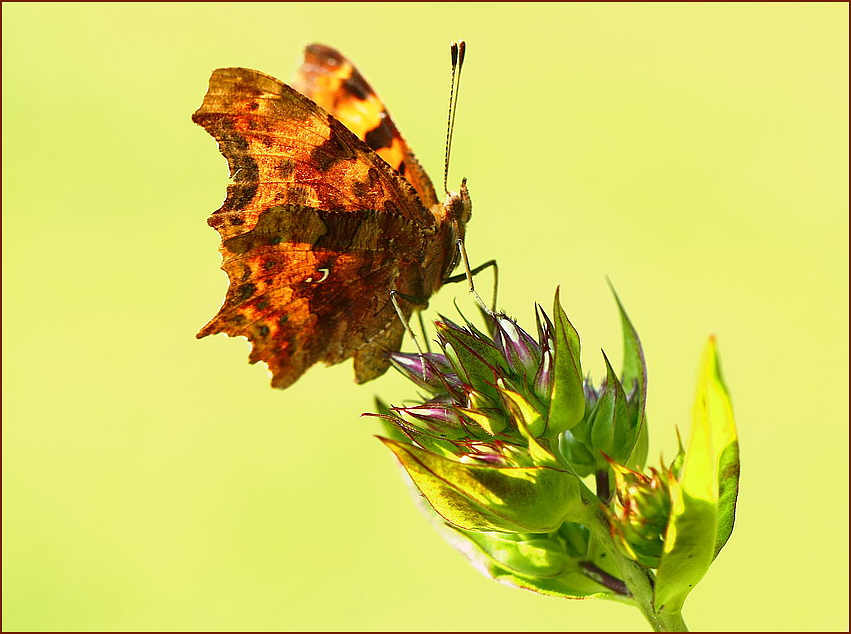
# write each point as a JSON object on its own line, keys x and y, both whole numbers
{"x": 282, "y": 149}
{"x": 333, "y": 82}
{"x": 316, "y": 231}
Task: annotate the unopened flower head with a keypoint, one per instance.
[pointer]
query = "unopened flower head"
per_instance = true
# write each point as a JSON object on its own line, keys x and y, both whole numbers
{"x": 641, "y": 512}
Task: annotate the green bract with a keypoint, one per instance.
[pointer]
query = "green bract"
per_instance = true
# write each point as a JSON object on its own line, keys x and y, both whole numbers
{"x": 506, "y": 444}
{"x": 704, "y": 496}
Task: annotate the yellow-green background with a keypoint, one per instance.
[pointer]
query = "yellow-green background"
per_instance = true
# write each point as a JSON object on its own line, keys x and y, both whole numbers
{"x": 694, "y": 153}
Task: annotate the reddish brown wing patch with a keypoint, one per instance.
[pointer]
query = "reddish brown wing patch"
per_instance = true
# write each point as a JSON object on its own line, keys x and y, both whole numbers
{"x": 316, "y": 231}
{"x": 332, "y": 81}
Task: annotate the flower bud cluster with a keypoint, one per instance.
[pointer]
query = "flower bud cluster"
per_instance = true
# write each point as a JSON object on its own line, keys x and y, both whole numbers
{"x": 482, "y": 446}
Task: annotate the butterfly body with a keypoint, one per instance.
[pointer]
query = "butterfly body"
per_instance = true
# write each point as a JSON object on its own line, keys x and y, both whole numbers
{"x": 327, "y": 214}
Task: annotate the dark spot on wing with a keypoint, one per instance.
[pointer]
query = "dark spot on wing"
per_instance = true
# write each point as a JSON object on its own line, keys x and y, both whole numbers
{"x": 244, "y": 292}
{"x": 239, "y": 196}
{"x": 243, "y": 167}
{"x": 373, "y": 177}
{"x": 327, "y": 53}
{"x": 356, "y": 86}
{"x": 360, "y": 189}
{"x": 281, "y": 223}
{"x": 330, "y": 151}
{"x": 380, "y": 136}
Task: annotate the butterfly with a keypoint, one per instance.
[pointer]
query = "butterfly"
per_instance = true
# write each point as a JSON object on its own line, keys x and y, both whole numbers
{"x": 328, "y": 216}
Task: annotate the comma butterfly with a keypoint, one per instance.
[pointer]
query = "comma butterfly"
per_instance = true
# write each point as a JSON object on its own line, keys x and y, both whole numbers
{"x": 328, "y": 214}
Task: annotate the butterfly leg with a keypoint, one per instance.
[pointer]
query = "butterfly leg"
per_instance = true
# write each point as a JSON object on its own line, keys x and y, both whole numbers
{"x": 416, "y": 301}
{"x": 423, "y": 330}
{"x": 469, "y": 273}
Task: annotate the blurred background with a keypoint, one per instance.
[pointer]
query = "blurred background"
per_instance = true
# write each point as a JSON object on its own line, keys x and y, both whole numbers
{"x": 696, "y": 154}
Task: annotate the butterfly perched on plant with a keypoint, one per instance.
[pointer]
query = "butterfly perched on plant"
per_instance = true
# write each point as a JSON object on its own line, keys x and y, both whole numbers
{"x": 329, "y": 216}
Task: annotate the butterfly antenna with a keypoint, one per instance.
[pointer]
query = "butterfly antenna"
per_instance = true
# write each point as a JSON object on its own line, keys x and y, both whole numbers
{"x": 458, "y": 49}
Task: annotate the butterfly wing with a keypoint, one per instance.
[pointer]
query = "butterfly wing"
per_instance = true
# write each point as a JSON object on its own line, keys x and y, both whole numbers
{"x": 316, "y": 231}
{"x": 333, "y": 82}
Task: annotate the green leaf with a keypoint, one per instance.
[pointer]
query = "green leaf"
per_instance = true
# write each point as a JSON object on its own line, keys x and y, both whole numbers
{"x": 567, "y": 399}
{"x": 491, "y": 498}
{"x": 520, "y": 564}
{"x": 573, "y": 583}
{"x": 728, "y": 491}
{"x": 688, "y": 550}
{"x": 704, "y": 497}
{"x": 527, "y": 555}
{"x": 634, "y": 377}
{"x": 713, "y": 404}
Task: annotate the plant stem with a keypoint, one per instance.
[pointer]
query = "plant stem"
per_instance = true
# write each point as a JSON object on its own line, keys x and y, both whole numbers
{"x": 638, "y": 579}
{"x": 604, "y": 578}
{"x": 603, "y": 491}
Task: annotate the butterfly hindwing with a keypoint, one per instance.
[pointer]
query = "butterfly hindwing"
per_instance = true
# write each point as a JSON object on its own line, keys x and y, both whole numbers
{"x": 316, "y": 231}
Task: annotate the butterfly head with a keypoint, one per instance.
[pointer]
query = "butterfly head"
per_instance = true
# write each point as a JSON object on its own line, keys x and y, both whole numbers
{"x": 458, "y": 206}
{"x": 457, "y": 211}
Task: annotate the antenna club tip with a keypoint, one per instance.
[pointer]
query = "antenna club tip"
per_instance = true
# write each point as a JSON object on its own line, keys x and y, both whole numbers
{"x": 457, "y": 50}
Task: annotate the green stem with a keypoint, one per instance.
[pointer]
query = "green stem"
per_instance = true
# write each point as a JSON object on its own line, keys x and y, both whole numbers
{"x": 638, "y": 579}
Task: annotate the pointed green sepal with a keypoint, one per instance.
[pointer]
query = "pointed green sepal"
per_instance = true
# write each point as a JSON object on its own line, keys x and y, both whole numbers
{"x": 574, "y": 447}
{"x": 612, "y": 430}
{"x": 567, "y": 398}
{"x": 492, "y": 420}
{"x": 522, "y": 411}
{"x": 386, "y": 418}
{"x": 634, "y": 382}
{"x": 476, "y": 360}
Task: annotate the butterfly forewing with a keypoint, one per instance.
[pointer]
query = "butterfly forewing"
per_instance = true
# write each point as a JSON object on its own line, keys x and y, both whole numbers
{"x": 333, "y": 82}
